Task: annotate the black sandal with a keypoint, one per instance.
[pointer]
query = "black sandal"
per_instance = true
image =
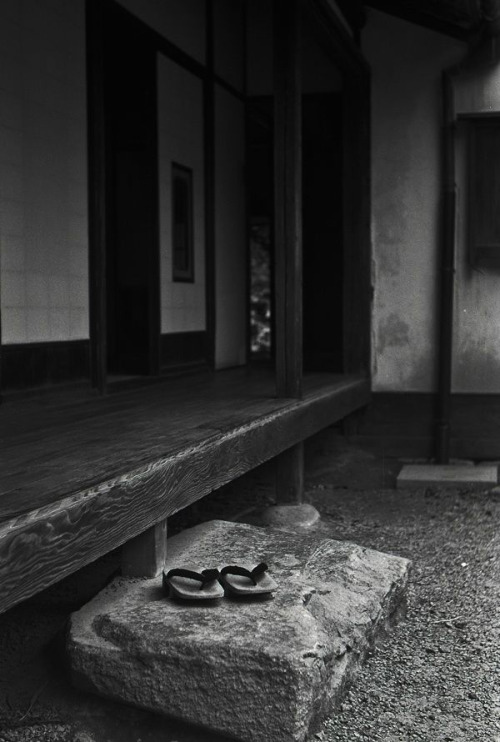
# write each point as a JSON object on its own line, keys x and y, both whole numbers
{"x": 238, "y": 581}
{"x": 189, "y": 585}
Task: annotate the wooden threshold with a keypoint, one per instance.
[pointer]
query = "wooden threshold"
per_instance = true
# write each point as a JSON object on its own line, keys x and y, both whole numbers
{"x": 83, "y": 477}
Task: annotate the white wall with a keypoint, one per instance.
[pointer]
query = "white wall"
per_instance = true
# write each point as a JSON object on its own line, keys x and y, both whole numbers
{"x": 180, "y": 134}
{"x": 43, "y": 169}
{"x": 230, "y": 231}
{"x": 407, "y": 62}
{"x": 180, "y": 21}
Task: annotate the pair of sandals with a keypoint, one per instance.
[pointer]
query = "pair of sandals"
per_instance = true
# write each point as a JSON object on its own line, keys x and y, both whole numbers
{"x": 232, "y": 581}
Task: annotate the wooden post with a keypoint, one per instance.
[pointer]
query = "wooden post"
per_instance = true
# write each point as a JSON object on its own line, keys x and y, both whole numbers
{"x": 209, "y": 175}
{"x": 146, "y": 554}
{"x": 287, "y": 199}
{"x": 95, "y": 20}
{"x": 290, "y": 476}
{"x": 288, "y": 233}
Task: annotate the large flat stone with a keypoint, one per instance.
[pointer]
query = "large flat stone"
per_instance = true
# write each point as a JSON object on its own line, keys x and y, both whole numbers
{"x": 261, "y": 671}
{"x": 415, "y": 476}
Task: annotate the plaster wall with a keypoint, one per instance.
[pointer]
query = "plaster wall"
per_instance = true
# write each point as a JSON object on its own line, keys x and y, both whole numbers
{"x": 407, "y": 62}
{"x": 180, "y": 140}
{"x": 230, "y": 231}
{"x": 43, "y": 171}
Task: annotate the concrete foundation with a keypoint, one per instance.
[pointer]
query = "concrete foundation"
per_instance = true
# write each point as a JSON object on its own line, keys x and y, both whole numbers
{"x": 257, "y": 671}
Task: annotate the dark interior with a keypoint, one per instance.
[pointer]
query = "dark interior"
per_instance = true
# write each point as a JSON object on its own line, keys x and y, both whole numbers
{"x": 322, "y": 231}
{"x": 132, "y": 240}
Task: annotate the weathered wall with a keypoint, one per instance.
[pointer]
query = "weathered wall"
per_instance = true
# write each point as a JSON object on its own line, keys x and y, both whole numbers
{"x": 407, "y": 62}
{"x": 180, "y": 140}
{"x": 43, "y": 172}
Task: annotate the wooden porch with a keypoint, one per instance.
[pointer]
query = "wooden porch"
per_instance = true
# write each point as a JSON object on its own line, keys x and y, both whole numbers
{"x": 81, "y": 475}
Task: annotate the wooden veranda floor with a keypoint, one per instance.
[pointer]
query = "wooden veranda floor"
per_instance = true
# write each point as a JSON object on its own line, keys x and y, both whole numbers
{"x": 82, "y": 474}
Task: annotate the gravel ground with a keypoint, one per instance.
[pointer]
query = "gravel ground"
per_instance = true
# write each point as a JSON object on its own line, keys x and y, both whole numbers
{"x": 436, "y": 677}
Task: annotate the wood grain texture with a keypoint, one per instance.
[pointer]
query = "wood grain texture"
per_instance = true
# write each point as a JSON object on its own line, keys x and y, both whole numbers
{"x": 68, "y": 498}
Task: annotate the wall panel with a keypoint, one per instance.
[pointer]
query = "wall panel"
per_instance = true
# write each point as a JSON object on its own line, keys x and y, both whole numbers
{"x": 43, "y": 172}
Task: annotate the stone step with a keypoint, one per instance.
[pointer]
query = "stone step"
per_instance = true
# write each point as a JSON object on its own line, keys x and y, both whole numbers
{"x": 416, "y": 476}
{"x": 256, "y": 671}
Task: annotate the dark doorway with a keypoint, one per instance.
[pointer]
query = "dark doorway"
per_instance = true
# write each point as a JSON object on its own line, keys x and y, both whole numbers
{"x": 322, "y": 179}
{"x": 132, "y": 271}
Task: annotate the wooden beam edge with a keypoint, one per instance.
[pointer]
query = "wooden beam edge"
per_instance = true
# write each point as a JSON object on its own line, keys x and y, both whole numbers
{"x": 50, "y": 543}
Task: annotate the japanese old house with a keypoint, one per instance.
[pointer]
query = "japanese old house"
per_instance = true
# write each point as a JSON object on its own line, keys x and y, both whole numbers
{"x": 208, "y": 211}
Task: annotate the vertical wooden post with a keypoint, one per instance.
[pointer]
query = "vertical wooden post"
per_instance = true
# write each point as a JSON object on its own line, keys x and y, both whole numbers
{"x": 95, "y": 23}
{"x": 288, "y": 232}
{"x": 209, "y": 175}
{"x": 145, "y": 555}
{"x": 287, "y": 199}
{"x": 290, "y": 476}
{"x": 356, "y": 211}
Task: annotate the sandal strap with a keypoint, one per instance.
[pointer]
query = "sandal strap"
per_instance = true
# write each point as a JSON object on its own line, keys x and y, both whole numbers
{"x": 260, "y": 569}
{"x": 235, "y": 569}
{"x": 208, "y": 575}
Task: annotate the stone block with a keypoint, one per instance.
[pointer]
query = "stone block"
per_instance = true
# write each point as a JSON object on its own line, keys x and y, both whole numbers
{"x": 416, "y": 476}
{"x": 266, "y": 671}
